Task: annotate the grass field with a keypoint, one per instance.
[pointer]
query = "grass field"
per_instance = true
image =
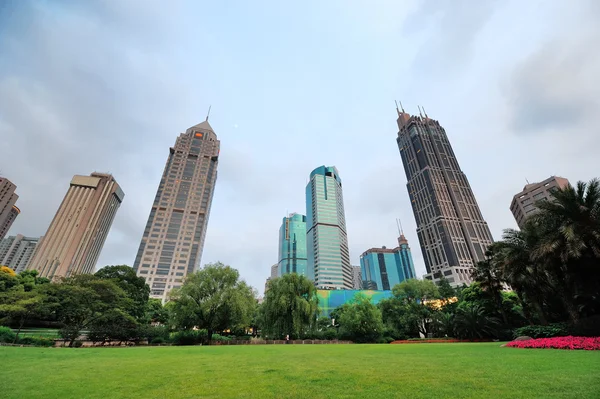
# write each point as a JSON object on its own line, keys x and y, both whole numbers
{"x": 38, "y": 332}
{"x": 300, "y": 371}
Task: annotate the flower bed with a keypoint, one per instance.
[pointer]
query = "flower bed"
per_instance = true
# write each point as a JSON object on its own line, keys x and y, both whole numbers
{"x": 570, "y": 342}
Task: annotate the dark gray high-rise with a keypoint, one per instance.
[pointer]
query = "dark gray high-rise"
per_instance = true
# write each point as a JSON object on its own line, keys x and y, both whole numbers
{"x": 451, "y": 230}
{"x": 173, "y": 240}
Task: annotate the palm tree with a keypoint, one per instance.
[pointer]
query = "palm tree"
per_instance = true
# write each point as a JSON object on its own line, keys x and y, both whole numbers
{"x": 527, "y": 278}
{"x": 472, "y": 322}
{"x": 488, "y": 275}
{"x": 570, "y": 242}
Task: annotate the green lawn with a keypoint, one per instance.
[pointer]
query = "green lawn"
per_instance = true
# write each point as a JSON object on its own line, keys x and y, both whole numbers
{"x": 38, "y": 332}
{"x": 300, "y": 371}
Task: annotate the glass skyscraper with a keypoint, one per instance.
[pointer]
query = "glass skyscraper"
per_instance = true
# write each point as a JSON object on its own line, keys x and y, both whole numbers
{"x": 382, "y": 268}
{"x": 173, "y": 240}
{"x": 292, "y": 246}
{"x": 326, "y": 238}
{"x": 452, "y": 232}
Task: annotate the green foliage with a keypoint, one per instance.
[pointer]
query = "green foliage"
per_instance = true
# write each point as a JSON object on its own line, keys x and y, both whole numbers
{"x": 549, "y": 331}
{"x": 472, "y": 321}
{"x": 134, "y": 287}
{"x": 215, "y": 299}
{"x": 8, "y": 279}
{"x": 36, "y": 341}
{"x": 152, "y": 333}
{"x": 82, "y": 300}
{"x": 7, "y": 335}
{"x": 114, "y": 325}
{"x": 155, "y": 312}
{"x": 18, "y": 306}
{"x": 360, "y": 320}
{"x": 189, "y": 337}
{"x": 290, "y": 307}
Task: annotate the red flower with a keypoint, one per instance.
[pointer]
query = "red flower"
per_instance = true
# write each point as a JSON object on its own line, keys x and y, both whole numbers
{"x": 570, "y": 342}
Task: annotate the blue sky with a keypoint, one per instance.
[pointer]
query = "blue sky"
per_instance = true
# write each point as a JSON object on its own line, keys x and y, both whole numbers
{"x": 108, "y": 85}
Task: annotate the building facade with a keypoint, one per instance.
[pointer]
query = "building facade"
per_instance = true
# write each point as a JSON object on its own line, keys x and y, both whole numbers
{"x": 76, "y": 235}
{"x": 357, "y": 278}
{"x": 8, "y": 209}
{"x": 451, "y": 229}
{"x": 16, "y": 251}
{"x": 326, "y": 239}
{"x": 382, "y": 268}
{"x": 523, "y": 203}
{"x": 173, "y": 240}
{"x": 274, "y": 271}
{"x": 292, "y": 245}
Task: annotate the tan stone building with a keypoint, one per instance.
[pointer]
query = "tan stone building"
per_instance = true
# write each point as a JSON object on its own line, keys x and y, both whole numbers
{"x": 523, "y": 203}
{"x": 77, "y": 233}
{"x": 8, "y": 210}
{"x": 172, "y": 243}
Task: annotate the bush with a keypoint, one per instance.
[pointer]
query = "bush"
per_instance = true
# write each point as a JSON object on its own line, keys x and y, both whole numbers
{"x": 77, "y": 344}
{"x": 218, "y": 337}
{"x": 42, "y": 341}
{"x": 151, "y": 333}
{"x": 549, "y": 331}
{"x": 189, "y": 337}
{"x": 330, "y": 334}
{"x": 157, "y": 341}
{"x": 7, "y": 335}
{"x": 27, "y": 341}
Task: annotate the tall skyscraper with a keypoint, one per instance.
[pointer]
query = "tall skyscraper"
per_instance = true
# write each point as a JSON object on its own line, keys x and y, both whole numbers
{"x": 17, "y": 251}
{"x": 382, "y": 268}
{"x": 173, "y": 240}
{"x": 451, "y": 230}
{"x": 292, "y": 245}
{"x": 523, "y": 203}
{"x": 326, "y": 239}
{"x": 8, "y": 210}
{"x": 77, "y": 233}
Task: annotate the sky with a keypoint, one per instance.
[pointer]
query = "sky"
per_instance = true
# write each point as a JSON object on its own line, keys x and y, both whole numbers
{"x": 108, "y": 86}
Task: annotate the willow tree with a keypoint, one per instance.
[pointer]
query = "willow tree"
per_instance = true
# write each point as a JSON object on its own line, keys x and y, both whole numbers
{"x": 290, "y": 306}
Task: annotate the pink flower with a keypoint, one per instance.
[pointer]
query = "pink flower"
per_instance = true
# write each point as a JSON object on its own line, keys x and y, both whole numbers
{"x": 570, "y": 342}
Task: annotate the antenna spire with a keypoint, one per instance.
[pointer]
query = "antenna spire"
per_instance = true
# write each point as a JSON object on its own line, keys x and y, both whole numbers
{"x": 425, "y": 112}
{"x": 400, "y": 229}
{"x": 401, "y": 107}
{"x": 208, "y": 114}
{"x": 420, "y": 113}
{"x": 397, "y": 110}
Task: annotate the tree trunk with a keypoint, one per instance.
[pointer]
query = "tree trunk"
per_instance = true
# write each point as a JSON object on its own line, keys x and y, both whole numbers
{"x": 19, "y": 330}
{"x": 540, "y": 312}
{"x": 209, "y": 338}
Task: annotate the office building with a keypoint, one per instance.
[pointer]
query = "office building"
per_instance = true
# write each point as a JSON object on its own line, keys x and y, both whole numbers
{"x": 8, "y": 210}
{"x": 16, "y": 251}
{"x": 523, "y": 203}
{"x": 451, "y": 229}
{"x": 326, "y": 238}
{"x": 292, "y": 245}
{"x": 79, "y": 229}
{"x": 357, "y": 278}
{"x": 383, "y": 268}
{"x": 274, "y": 271}
{"x": 173, "y": 240}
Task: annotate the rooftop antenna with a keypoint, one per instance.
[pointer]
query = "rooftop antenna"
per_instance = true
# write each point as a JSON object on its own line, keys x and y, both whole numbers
{"x": 420, "y": 113}
{"x": 397, "y": 110}
{"x": 425, "y": 112}
{"x": 208, "y": 114}
{"x": 401, "y": 107}
{"x": 400, "y": 229}
{"x": 527, "y": 180}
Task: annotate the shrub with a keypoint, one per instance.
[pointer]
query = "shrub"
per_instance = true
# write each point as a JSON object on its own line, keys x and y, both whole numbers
{"x": 189, "y": 337}
{"x": 549, "y": 331}
{"x": 152, "y": 333}
{"x": 570, "y": 342}
{"x": 27, "y": 341}
{"x": 43, "y": 341}
{"x": 330, "y": 334}
{"x": 77, "y": 344}
{"x": 218, "y": 337}
{"x": 7, "y": 335}
{"x": 157, "y": 341}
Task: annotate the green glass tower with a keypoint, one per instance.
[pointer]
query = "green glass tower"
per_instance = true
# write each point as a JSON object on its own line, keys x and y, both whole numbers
{"x": 292, "y": 246}
{"x": 326, "y": 238}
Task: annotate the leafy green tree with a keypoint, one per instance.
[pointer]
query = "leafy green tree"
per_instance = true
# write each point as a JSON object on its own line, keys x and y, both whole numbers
{"x": 214, "y": 299}
{"x": 445, "y": 290}
{"x": 360, "y": 320}
{"x": 135, "y": 287}
{"x": 29, "y": 279}
{"x": 8, "y": 278}
{"x": 81, "y": 300}
{"x": 444, "y": 324}
{"x": 290, "y": 306}
{"x": 18, "y": 307}
{"x": 114, "y": 325}
{"x": 156, "y": 312}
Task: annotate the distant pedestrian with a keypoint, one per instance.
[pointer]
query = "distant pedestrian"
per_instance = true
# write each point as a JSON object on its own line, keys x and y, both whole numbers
{"x": 287, "y": 339}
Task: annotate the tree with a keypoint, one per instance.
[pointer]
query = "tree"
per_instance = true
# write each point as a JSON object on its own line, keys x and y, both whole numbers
{"x": 445, "y": 289}
{"x": 360, "y": 320}
{"x": 20, "y": 306}
{"x": 472, "y": 321}
{"x": 488, "y": 275}
{"x": 156, "y": 312}
{"x": 413, "y": 303}
{"x": 290, "y": 306}
{"x": 135, "y": 287}
{"x": 8, "y": 278}
{"x": 569, "y": 245}
{"x": 81, "y": 300}
{"x": 214, "y": 299}
{"x": 29, "y": 279}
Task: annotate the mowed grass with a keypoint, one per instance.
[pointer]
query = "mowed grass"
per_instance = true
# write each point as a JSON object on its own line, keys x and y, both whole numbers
{"x": 478, "y": 370}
